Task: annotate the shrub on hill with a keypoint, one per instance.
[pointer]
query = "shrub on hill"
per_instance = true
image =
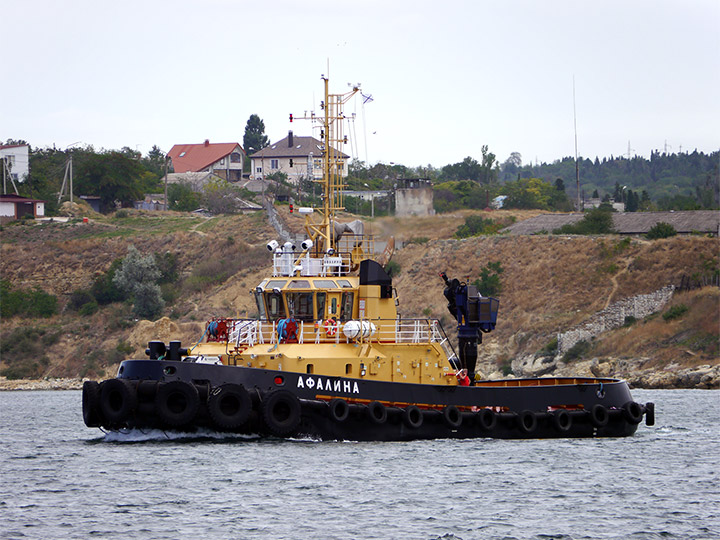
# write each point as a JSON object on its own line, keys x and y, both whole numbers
{"x": 489, "y": 282}
{"x": 477, "y": 225}
{"x": 34, "y": 303}
{"x": 596, "y": 221}
{"x": 661, "y": 230}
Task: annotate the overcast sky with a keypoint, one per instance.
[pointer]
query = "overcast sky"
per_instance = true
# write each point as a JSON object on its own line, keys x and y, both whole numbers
{"x": 445, "y": 77}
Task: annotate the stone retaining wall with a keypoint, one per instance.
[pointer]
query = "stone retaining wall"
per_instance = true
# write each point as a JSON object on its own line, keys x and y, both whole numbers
{"x": 283, "y": 233}
{"x": 613, "y": 316}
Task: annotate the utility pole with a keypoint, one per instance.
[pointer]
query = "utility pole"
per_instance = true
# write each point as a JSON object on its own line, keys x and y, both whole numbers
{"x": 577, "y": 167}
{"x": 167, "y": 158}
{"x": 6, "y": 174}
{"x": 68, "y": 172}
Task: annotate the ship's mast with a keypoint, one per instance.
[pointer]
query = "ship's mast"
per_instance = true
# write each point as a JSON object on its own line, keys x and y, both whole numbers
{"x": 332, "y": 137}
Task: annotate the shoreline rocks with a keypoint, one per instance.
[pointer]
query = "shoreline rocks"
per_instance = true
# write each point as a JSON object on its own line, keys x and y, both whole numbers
{"x": 672, "y": 376}
{"x": 40, "y": 384}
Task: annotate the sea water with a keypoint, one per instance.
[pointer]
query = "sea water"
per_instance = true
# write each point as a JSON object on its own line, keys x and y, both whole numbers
{"x": 59, "y": 479}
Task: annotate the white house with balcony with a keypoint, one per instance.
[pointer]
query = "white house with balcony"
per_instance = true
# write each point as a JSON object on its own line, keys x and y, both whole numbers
{"x": 296, "y": 156}
{"x": 15, "y": 159}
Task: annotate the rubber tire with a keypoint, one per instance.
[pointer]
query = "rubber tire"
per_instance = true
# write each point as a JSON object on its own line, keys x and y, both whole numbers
{"x": 487, "y": 419}
{"x": 281, "y": 412}
{"x": 562, "y": 421}
{"x": 118, "y": 400}
{"x": 527, "y": 421}
{"x": 412, "y": 417}
{"x": 377, "y": 412}
{"x": 339, "y": 410}
{"x": 452, "y": 417}
{"x": 599, "y": 415}
{"x": 177, "y": 403}
{"x": 633, "y": 412}
{"x": 229, "y": 406}
{"x": 92, "y": 415}
{"x": 650, "y": 414}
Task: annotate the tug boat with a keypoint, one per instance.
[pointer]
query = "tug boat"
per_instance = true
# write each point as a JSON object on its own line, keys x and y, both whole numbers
{"x": 330, "y": 358}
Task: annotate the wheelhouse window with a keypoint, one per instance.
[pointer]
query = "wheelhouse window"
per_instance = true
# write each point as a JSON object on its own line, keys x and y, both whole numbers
{"x": 344, "y": 283}
{"x": 260, "y": 305}
{"x": 320, "y": 299}
{"x": 300, "y": 305}
{"x": 275, "y": 306}
{"x": 346, "y": 309}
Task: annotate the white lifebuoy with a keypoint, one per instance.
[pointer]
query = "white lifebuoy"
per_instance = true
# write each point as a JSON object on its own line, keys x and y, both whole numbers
{"x": 331, "y": 327}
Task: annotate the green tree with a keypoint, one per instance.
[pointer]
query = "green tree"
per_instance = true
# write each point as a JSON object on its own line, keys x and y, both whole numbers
{"x": 254, "y": 139}
{"x": 182, "y": 198}
{"x": 467, "y": 169}
{"x": 632, "y": 202}
{"x": 155, "y": 161}
{"x": 138, "y": 277}
{"x": 489, "y": 167}
{"x": 114, "y": 177}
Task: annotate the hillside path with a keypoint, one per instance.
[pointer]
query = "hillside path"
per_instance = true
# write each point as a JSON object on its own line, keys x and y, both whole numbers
{"x": 194, "y": 227}
{"x": 613, "y": 279}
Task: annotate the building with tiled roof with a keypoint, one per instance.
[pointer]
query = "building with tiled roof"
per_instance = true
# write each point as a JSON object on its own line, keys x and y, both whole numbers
{"x": 223, "y": 159}
{"x": 296, "y": 156}
{"x": 684, "y": 222}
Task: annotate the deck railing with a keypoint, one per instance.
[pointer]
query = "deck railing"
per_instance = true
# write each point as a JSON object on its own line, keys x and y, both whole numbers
{"x": 246, "y": 333}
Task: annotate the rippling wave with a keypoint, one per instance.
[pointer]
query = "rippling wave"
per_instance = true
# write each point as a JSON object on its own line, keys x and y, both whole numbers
{"x": 59, "y": 479}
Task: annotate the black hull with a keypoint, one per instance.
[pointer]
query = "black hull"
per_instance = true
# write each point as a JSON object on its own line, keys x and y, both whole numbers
{"x": 187, "y": 396}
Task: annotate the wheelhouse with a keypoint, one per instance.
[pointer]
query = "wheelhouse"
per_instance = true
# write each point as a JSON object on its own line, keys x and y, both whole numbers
{"x": 308, "y": 298}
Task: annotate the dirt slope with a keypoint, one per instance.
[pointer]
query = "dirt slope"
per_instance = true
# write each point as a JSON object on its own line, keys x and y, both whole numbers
{"x": 549, "y": 284}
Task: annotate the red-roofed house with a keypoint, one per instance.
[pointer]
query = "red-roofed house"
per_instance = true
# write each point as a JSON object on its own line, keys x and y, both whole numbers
{"x": 223, "y": 159}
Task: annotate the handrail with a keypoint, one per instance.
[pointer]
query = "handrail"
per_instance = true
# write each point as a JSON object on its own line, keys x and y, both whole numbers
{"x": 245, "y": 333}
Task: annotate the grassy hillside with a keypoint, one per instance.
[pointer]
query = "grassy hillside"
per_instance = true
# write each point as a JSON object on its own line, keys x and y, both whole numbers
{"x": 549, "y": 284}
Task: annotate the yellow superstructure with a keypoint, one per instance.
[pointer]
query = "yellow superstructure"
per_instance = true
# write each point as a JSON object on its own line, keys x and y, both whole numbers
{"x": 319, "y": 314}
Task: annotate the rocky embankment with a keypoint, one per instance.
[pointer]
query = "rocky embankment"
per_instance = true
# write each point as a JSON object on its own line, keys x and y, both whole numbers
{"x": 40, "y": 384}
{"x": 636, "y": 371}
{"x": 671, "y": 376}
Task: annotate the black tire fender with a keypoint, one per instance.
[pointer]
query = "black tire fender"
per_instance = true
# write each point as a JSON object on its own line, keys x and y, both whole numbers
{"x": 650, "y": 414}
{"x": 177, "y": 403}
{"x": 633, "y": 412}
{"x": 527, "y": 421}
{"x": 92, "y": 416}
{"x": 118, "y": 400}
{"x": 281, "y": 412}
{"x": 487, "y": 419}
{"x": 452, "y": 417}
{"x": 413, "y": 416}
{"x": 377, "y": 412}
{"x": 599, "y": 415}
{"x": 562, "y": 421}
{"x": 339, "y": 410}
{"x": 229, "y": 406}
